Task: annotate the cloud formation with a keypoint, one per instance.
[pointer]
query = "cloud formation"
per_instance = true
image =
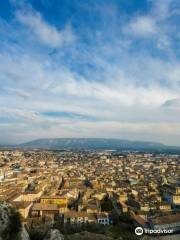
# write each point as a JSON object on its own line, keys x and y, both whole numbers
{"x": 89, "y": 70}
{"x": 43, "y": 31}
{"x": 143, "y": 26}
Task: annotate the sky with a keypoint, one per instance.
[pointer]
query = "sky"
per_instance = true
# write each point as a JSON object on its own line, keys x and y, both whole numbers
{"x": 86, "y": 68}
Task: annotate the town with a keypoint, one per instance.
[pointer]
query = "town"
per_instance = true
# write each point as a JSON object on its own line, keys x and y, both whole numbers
{"x": 92, "y": 187}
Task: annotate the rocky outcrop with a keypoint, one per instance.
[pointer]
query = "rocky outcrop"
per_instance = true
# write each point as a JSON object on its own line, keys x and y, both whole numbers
{"x": 88, "y": 236}
{"x": 4, "y": 218}
{"x": 167, "y": 237}
{"x": 23, "y": 235}
{"x": 10, "y": 224}
{"x": 54, "y": 234}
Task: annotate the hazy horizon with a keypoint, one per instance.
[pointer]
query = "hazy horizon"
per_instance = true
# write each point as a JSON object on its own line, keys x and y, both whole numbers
{"x": 81, "y": 138}
{"x": 104, "y": 69}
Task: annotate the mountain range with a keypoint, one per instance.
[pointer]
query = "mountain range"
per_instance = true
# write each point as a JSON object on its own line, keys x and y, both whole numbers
{"x": 95, "y": 144}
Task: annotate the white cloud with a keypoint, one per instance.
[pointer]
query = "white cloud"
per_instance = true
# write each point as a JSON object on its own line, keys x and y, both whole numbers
{"x": 43, "y": 31}
{"x": 131, "y": 95}
{"x": 30, "y": 118}
{"x": 34, "y": 80}
{"x": 144, "y": 26}
{"x": 17, "y": 91}
{"x": 158, "y": 26}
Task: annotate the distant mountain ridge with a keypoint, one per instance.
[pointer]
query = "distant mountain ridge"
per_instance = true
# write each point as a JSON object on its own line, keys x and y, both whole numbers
{"x": 94, "y": 144}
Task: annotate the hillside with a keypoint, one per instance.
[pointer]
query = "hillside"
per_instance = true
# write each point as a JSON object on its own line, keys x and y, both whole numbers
{"x": 92, "y": 143}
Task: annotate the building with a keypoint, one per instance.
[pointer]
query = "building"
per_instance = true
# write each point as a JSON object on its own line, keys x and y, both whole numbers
{"x": 103, "y": 218}
{"x": 29, "y": 196}
{"x": 23, "y": 208}
{"x": 57, "y": 200}
{"x": 172, "y": 194}
{"x": 78, "y": 217}
{"x": 48, "y": 210}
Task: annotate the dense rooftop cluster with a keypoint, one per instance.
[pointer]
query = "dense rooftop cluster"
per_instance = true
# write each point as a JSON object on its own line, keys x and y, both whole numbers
{"x": 89, "y": 187}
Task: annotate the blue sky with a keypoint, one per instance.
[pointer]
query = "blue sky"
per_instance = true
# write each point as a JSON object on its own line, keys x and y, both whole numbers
{"x": 85, "y": 68}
